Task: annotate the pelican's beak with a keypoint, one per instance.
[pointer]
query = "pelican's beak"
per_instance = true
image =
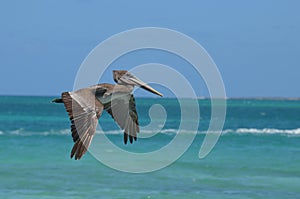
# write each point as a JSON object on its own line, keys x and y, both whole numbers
{"x": 136, "y": 81}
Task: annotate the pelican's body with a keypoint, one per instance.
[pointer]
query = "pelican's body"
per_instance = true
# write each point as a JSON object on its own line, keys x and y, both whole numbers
{"x": 86, "y": 105}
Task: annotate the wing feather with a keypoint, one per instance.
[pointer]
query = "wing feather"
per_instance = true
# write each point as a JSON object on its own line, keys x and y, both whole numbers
{"x": 84, "y": 112}
{"x": 123, "y": 110}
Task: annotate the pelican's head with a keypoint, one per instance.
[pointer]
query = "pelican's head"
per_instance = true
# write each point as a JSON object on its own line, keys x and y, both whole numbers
{"x": 125, "y": 78}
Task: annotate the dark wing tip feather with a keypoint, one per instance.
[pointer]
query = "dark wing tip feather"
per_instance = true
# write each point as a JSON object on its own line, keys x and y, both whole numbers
{"x": 130, "y": 139}
{"x": 125, "y": 138}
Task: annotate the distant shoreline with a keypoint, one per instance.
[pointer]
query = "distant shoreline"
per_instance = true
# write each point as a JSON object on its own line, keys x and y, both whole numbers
{"x": 264, "y": 98}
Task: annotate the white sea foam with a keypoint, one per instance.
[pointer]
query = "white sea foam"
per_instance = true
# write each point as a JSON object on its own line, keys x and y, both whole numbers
{"x": 22, "y": 132}
{"x": 264, "y": 131}
{"x": 16, "y": 132}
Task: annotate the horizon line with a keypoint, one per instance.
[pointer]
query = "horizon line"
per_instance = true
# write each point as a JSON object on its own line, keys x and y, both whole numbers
{"x": 198, "y": 97}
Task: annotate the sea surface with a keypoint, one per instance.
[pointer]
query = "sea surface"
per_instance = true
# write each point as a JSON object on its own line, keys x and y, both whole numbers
{"x": 257, "y": 155}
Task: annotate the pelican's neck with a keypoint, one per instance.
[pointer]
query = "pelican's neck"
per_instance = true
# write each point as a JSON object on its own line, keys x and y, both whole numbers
{"x": 123, "y": 88}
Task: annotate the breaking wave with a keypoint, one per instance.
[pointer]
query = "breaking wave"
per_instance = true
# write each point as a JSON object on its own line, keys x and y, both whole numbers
{"x": 23, "y": 132}
{"x": 264, "y": 131}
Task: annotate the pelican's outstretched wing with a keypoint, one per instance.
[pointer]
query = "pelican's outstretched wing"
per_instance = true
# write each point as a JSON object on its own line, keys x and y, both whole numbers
{"x": 84, "y": 111}
{"x": 121, "y": 107}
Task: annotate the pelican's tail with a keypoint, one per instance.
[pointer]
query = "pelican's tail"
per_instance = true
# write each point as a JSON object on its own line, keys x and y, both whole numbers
{"x": 57, "y": 100}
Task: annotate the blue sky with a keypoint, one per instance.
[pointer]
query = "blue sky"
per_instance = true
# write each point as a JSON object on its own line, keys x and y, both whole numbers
{"x": 255, "y": 44}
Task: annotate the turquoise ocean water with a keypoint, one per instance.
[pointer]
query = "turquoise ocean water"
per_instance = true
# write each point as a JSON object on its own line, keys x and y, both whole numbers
{"x": 257, "y": 156}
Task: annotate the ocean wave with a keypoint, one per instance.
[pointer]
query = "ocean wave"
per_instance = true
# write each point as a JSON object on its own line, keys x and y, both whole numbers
{"x": 22, "y": 132}
{"x": 263, "y": 131}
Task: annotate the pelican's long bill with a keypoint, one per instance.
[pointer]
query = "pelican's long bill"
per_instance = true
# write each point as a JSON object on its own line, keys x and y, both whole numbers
{"x": 143, "y": 85}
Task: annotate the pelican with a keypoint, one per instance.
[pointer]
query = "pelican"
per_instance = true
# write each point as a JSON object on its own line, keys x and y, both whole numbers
{"x": 85, "y": 106}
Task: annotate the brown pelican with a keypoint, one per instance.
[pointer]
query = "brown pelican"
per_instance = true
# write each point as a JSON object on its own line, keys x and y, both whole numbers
{"x": 86, "y": 105}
